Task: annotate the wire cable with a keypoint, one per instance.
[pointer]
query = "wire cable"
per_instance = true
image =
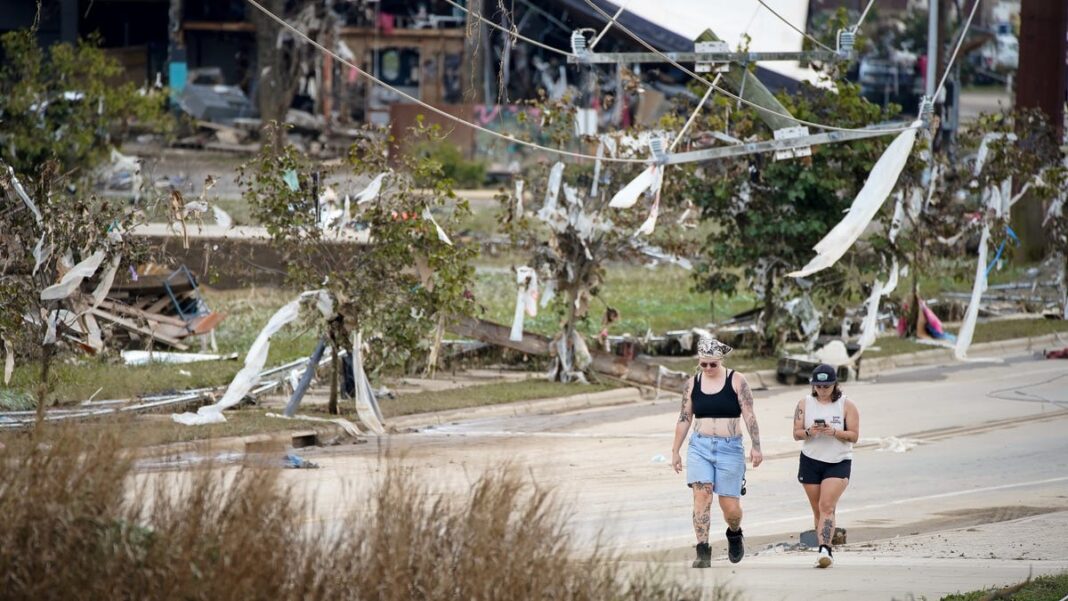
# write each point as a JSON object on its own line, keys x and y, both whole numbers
{"x": 728, "y": 93}
{"x": 514, "y": 34}
{"x": 795, "y": 28}
{"x": 960, "y": 42}
{"x": 862, "y": 15}
{"x": 509, "y": 138}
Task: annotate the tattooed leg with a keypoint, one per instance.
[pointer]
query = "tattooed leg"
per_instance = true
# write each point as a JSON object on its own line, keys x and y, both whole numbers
{"x": 831, "y": 490}
{"x": 702, "y": 509}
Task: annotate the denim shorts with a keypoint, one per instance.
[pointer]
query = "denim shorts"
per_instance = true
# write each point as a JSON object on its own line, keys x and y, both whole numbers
{"x": 716, "y": 460}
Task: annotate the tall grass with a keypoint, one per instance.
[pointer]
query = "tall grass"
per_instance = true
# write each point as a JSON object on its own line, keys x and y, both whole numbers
{"x": 74, "y": 527}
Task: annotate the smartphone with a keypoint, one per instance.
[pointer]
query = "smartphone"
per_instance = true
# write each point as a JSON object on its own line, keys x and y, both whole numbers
{"x": 820, "y": 422}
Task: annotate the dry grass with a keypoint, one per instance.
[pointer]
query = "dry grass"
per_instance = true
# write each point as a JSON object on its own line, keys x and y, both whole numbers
{"x": 71, "y": 532}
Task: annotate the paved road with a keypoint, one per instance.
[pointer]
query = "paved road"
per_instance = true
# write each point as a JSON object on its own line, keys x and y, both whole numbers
{"x": 985, "y": 442}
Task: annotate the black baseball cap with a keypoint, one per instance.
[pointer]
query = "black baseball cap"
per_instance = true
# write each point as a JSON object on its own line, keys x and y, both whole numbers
{"x": 824, "y": 374}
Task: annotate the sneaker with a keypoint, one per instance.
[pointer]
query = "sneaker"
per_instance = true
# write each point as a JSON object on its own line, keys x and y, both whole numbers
{"x": 704, "y": 556}
{"x": 826, "y": 558}
{"x": 735, "y": 547}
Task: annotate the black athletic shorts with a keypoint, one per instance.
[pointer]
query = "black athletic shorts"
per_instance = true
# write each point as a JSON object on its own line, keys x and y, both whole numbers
{"x": 813, "y": 471}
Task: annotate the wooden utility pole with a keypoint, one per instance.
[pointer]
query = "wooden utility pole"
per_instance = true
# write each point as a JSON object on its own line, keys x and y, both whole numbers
{"x": 1041, "y": 83}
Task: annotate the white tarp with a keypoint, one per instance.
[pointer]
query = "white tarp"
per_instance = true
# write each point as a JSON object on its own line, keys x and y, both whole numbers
{"x": 73, "y": 278}
{"x": 364, "y": 401}
{"x": 880, "y": 183}
{"x": 106, "y": 280}
{"x": 552, "y": 192}
{"x": 9, "y": 362}
{"x": 441, "y": 233}
{"x": 868, "y": 326}
{"x": 146, "y": 357}
{"x": 254, "y": 361}
{"x": 967, "y": 328}
{"x": 526, "y": 300}
{"x": 371, "y": 191}
{"x": 625, "y": 198}
{"x": 222, "y": 218}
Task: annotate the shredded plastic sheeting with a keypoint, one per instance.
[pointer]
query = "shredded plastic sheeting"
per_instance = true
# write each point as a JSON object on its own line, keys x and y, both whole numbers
{"x": 880, "y": 183}
{"x": 967, "y": 328}
{"x": 9, "y": 361}
{"x": 371, "y": 191}
{"x": 26, "y": 200}
{"x": 625, "y": 198}
{"x": 222, "y": 218}
{"x": 254, "y": 361}
{"x": 518, "y": 198}
{"x": 649, "y": 224}
{"x": 441, "y": 233}
{"x": 867, "y": 328}
{"x": 106, "y": 280}
{"x": 345, "y": 424}
{"x": 146, "y": 357}
{"x": 891, "y": 282}
{"x": 899, "y": 216}
{"x": 552, "y": 192}
{"x": 73, "y": 278}
{"x": 597, "y": 168}
{"x": 364, "y": 397}
{"x": 526, "y": 300}
{"x": 41, "y": 252}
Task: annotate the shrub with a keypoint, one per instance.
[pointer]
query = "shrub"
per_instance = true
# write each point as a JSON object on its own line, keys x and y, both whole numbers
{"x": 70, "y": 532}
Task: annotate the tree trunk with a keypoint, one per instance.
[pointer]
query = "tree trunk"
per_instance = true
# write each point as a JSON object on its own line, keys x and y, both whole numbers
{"x": 276, "y": 67}
{"x": 42, "y": 386}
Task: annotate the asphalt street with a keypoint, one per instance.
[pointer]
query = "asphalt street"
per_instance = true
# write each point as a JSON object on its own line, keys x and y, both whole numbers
{"x": 945, "y": 451}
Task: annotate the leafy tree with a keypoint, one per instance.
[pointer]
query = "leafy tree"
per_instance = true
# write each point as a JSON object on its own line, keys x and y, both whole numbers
{"x": 60, "y": 113}
{"x": 573, "y": 234}
{"x": 403, "y": 281}
{"x": 768, "y": 214}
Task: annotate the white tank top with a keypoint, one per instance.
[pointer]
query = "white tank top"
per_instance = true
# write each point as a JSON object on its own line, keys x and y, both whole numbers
{"x": 826, "y": 448}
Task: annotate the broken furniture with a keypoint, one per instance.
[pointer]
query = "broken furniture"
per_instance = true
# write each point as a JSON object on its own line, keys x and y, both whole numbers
{"x": 167, "y": 309}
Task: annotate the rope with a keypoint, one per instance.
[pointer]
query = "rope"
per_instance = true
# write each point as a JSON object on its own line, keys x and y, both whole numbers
{"x": 862, "y": 15}
{"x": 960, "y": 42}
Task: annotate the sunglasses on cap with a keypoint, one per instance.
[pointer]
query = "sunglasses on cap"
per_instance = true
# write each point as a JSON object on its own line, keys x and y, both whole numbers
{"x": 711, "y": 364}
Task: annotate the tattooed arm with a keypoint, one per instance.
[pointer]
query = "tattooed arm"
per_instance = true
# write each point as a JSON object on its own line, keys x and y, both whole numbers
{"x": 800, "y": 433}
{"x": 745, "y": 399}
{"x": 682, "y": 426}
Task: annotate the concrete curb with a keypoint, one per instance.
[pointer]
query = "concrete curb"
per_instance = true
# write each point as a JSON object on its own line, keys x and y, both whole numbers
{"x": 616, "y": 396}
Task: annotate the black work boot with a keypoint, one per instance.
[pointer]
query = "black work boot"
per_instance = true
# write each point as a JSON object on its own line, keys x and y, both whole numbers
{"x": 735, "y": 548}
{"x": 704, "y": 556}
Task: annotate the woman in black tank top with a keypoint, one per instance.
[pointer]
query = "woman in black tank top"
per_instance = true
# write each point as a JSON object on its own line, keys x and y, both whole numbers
{"x": 716, "y": 402}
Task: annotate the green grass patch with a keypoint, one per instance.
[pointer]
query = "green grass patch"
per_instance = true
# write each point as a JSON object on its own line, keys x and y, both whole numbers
{"x": 485, "y": 394}
{"x": 1043, "y": 588}
{"x": 740, "y": 359}
{"x": 658, "y": 299}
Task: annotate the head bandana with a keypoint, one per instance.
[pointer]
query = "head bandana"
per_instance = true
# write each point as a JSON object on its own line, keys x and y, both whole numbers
{"x": 710, "y": 347}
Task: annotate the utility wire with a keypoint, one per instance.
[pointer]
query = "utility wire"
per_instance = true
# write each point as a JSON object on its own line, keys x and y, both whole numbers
{"x": 726, "y": 92}
{"x": 509, "y": 138}
{"x": 960, "y": 42}
{"x": 863, "y": 14}
{"x": 795, "y": 28}
{"x": 514, "y": 34}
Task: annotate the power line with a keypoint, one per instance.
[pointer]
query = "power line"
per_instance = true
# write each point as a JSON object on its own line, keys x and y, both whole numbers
{"x": 431, "y": 108}
{"x": 724, "y": 91}
{"x": 960, "y": 42}
{"x": 795, "y": 28}
{"x": 863, "y": 14}
{"x": 512, "y": 33}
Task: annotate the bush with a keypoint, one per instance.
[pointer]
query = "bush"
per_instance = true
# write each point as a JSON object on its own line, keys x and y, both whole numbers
{"x": 70, "y": 533}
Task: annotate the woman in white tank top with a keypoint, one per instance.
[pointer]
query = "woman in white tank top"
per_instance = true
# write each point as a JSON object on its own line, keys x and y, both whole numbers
{"x": 829, "y": 424}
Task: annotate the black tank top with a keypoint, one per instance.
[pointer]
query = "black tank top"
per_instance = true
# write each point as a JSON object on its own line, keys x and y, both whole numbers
{"x": 721, "y": 404}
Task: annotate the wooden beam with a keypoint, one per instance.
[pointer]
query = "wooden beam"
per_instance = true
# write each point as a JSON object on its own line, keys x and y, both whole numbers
{"x": 134, "y": 327}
